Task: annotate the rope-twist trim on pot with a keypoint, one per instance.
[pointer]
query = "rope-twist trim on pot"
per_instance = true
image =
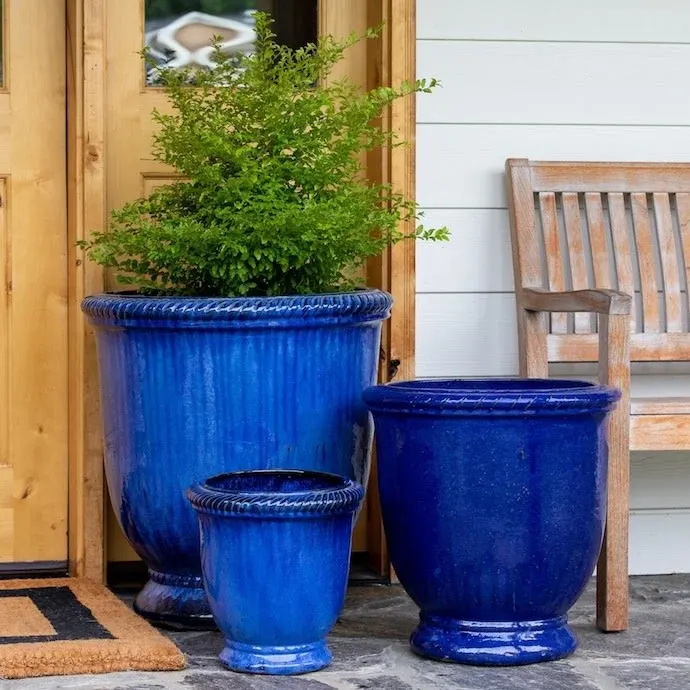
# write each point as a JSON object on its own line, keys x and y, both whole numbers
{"x": 133, "y": 310}
{"x": 175, "y": 580}
{"x": 213, "y": 501}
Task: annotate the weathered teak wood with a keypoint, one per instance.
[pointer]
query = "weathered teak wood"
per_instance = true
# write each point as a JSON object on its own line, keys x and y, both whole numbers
{"x": 659, "y": 432}
{"x": 644, "y": 347}
{"x": 532, "y": 325}
{"x": 554, "y": 255}
{"x": 597, "y": 236}
{"x": 659, "y": 406}
{"x": 578, "y": 270}
{"x": 669, "y": 263}
{"x": 621, "y": 247}
{"x": 645, "y": 256}
{"x": 627, "y": 228}
{"x": 590, "y": 301}
{"x": 612, "y": 569}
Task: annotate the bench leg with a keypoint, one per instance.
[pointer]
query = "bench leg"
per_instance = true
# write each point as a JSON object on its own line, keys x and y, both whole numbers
{"x": 612, "y": 569}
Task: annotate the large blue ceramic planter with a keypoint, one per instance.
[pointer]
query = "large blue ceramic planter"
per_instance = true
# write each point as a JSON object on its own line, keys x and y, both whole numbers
{"x": 275, "y": 551}
{"x": 493, "y": 498}
{"x": 192, "y": 387}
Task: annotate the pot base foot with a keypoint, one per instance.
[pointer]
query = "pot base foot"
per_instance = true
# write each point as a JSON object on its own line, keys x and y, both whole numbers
{"x": 175, "y": 602}
{"x": 492, "y": 644}
{"x": 283, "y": 661}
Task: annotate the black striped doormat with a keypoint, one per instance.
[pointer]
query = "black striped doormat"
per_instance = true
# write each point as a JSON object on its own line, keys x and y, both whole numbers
{"x": 74, "y": 626}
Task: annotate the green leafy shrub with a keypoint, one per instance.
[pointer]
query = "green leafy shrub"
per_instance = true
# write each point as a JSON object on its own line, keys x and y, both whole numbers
{"x": 272, "y": 199}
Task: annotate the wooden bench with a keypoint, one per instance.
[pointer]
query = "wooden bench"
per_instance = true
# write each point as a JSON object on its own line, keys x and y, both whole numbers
{"x": 606, "y": 240}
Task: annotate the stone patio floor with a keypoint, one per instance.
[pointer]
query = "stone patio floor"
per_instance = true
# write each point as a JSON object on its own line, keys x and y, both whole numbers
{"x": 370, "y": 652}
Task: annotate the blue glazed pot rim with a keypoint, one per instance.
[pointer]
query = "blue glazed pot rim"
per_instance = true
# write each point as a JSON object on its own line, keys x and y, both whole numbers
{"x": 132, "y": 311}
{"x": 276, "y": 492}
{"x": 491, "y": 396}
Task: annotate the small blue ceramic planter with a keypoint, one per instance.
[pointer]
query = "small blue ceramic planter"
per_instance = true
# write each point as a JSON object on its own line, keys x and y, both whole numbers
{"x": 493, "y": 495}
{"x": 275, "y": 555}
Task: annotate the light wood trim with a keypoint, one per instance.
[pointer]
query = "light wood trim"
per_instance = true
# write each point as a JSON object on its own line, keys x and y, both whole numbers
{"x": 339, "y": 19}
{"x": 661, "y": 406}
{"x": 669, "y": 262}
{"x": 645, "y": 257}
{"x": 554, "y": 255}
{"x": 378, "y": 273}
{"x": 609, "y": 177}
{"x": 532, "y": 326}
{"x": 644, "y": 347}
{"x": 401, "y": 60}
{"x": 6, "y": 37}
{"x": 86, "y": 213}
{"x": 75, "y": 172}
{"x": 612, "y": 569}
{"x": 585, "y": 301}
{"x": 391, "y": 60}
{"x": 401, "y": 66}
{"x": 660, "y": 432}
{"x": 7, "y": 474}
{"x": 5, "y": 323}
{"x": 6, "y": 513}
{"x": 621, "y": 249}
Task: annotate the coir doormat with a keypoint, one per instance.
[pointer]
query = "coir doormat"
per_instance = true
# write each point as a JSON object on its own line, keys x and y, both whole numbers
{"x": 72, "y": 626}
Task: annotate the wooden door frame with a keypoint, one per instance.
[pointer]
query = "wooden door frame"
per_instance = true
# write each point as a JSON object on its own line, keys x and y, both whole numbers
{"x": 390, "y": 60}
{"x": 85, "y": 214}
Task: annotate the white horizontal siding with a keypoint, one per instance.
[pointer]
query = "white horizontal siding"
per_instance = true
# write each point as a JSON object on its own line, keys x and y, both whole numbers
{"x": 462, "y": 166}
{"x": 477, "y": 257}
{"x": 555, "y": 83}
{"x": 660, "y": 481}
{"x": 658, "y": 542}
{"x": 465, "y": 334}
{"x": 638, "y": 21}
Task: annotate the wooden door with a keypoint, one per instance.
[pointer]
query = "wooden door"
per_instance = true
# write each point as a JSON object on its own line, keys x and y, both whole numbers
{"x": 33, "y": 287}
{"x": 130, "y": 97}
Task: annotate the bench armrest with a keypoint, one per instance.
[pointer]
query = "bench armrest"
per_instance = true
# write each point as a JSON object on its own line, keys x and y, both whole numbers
{"x": 598, "y": 301}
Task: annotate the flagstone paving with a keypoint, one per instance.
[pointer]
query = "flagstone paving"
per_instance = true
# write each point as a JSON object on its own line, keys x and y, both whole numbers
{"x": 370, "y": 652}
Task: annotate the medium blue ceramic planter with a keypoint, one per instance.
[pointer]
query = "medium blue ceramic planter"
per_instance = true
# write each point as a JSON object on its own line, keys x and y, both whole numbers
{"x": 194, "y": 387}
{"x": 275, "y": 552}
{"x": 493, "y": 497}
